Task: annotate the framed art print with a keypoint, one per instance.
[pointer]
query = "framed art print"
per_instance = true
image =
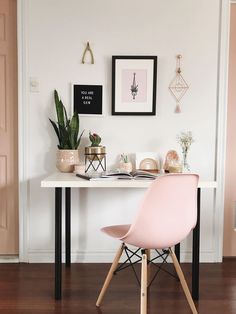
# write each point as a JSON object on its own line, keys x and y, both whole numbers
{"x": 87, "y": 99}
{"x": 134, "y": 80}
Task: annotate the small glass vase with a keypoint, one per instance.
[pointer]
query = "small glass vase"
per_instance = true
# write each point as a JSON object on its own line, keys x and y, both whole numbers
{"x": 186, "y": 167}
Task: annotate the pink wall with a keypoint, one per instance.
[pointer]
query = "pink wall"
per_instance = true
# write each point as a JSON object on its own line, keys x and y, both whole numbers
{"x": 230, "y": 183}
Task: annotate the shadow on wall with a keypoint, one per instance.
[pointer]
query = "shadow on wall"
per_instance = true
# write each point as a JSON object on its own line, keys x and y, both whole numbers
{"x": 41, "y": 215}
{"x": 81, "y": 223}
{"x": 49, "y": 157}
{"x": 41, "y": 206}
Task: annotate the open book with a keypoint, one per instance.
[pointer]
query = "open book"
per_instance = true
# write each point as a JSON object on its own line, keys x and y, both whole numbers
{"x": 121, "y": 175}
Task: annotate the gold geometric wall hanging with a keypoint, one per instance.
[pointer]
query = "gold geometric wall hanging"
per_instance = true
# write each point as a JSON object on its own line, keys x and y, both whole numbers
{"x": 178, "y": 86}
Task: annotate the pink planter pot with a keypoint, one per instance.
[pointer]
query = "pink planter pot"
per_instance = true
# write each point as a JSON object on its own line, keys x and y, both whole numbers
{"x": 66, "y": 159}
{"x": 125, "y": 166}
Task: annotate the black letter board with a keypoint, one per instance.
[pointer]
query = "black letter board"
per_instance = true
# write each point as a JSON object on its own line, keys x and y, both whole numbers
{"x": 88, "y": 99}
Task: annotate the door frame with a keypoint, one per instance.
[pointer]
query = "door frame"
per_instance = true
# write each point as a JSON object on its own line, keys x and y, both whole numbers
{"x": 23, "y": 105}
{"x": 221, "y": 124}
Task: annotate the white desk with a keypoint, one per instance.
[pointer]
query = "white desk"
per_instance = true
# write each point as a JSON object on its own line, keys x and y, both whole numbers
{"x": 64, "y": 180}
{"x": 68, "y": 180}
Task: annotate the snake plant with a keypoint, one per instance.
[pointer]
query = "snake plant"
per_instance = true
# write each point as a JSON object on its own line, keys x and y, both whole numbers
{"x": 67, "y": 130}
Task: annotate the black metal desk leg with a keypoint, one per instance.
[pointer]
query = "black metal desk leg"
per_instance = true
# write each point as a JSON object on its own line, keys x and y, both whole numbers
{"x": 177, "y": 251}
{"x": 195, "y": 252}
{"x": 68, "y": 226}
{"x": 58, "y": 210}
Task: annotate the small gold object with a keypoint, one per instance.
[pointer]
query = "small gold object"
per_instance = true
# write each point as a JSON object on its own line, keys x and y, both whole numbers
{"x": 95, "y": 158}
{"x": 149, "y": 164}
{"x": 175, "y": 168}
{"x": 95, "y": 152}
{"x": 89, "y": 50}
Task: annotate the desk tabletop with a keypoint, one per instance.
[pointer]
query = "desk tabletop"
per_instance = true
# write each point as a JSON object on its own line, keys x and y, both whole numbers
{"x": 61, "y": 180}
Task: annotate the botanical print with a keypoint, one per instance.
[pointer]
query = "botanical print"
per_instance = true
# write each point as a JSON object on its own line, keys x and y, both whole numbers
{"x": 134, "y": 85}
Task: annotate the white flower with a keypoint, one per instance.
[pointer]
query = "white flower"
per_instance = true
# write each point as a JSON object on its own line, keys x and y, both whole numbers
{"x": 185, "y": 139}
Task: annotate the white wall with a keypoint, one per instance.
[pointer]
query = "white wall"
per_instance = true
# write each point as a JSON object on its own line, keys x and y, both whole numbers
{"x": 57, "y": 32}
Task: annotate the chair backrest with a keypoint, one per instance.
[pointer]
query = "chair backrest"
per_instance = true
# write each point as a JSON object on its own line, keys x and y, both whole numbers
{"x": 167, "y": 213}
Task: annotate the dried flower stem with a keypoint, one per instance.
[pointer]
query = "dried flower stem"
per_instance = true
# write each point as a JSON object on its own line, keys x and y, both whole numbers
{"x": 185, "y": 139}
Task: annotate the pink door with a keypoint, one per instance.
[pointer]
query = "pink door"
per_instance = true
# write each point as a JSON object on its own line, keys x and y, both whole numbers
{"x": 8, "y": 129}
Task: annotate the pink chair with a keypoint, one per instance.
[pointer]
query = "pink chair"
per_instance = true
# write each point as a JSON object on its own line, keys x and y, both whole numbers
{"x": 166, "y": 216}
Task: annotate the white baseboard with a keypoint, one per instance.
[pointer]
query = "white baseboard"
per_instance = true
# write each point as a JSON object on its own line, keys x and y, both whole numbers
{"x": 41, "y": 256}
{"x": 7, "y": 259}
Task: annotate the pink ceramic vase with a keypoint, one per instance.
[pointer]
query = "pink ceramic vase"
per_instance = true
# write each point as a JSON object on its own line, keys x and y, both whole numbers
{"x": 125, "y": 166}
{"x": 66, "y": 159}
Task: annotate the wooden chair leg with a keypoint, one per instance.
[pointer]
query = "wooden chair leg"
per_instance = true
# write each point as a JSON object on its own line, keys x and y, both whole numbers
{"x": 110, "y": 274}
{"x": 183, "y": 281}
{"x": 148, "y": 253}
{"x": 143, "y": 296}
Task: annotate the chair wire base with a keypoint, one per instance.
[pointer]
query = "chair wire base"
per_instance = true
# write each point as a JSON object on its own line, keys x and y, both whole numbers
{"x": 162, "y": 254}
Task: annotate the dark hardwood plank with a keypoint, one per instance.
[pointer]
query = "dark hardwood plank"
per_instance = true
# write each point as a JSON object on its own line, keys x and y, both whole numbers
{"x": 29, "y": 288}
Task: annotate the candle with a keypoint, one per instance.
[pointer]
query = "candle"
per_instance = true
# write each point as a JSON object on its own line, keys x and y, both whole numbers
{"x": 175, "y": 168}
{"x": 80, "y": 168}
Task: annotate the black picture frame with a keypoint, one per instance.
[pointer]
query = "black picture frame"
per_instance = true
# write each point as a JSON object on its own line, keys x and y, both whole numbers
{"x": 87, "y": 99}
{"x": 127, "y": 96}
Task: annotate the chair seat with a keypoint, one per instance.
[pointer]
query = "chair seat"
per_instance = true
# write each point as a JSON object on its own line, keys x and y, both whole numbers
{"x": 117, "y": 231}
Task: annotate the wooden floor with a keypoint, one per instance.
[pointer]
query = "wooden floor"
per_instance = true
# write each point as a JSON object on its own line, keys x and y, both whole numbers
{"x": 28, "y": 288}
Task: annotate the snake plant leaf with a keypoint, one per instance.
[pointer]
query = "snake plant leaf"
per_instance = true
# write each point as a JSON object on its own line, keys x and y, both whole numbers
{"x": 79, "y": 139}
{"x": 66, "y": 117}
{"x": 74, "y": 130}
{"x": 67, "y": 130}
{"x": 59, "y": 109}
{"x": 65, "y": 143}
{"x": 56, "y": 130}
